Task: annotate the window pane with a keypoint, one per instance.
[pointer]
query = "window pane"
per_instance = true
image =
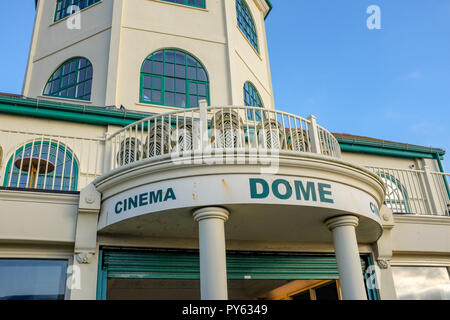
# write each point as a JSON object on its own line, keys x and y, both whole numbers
{"x": 177, "y": 67}
{"x": 180, "y": 71}
{"x": 156, "y": 96}
{"x": 192, "y": 73}
{"x": 192, "y": 88}
{"x": 170, "y": 69}
{"x": 65, "y": 81}
{"x": 32, "y": 279}
{"x": 181, "y": 86}
{"x": 157, "y": 67}
{"x": 170, "y": 56}
{"x": 63, "y": 7}
{"x": 146, "y": 94}
{"x": 169, "y": 84}
{"x": 147, "y": 82}
{"x": 202, "y": 75}
{"x": 180, "y": 58}
{"x": 156, "y": 83}
{"x": 422, "y": 283}
{"x": 147, "y": 67}
{"x": 181, "y": 100}
{"x": 193, "y": 101}
{"x": 202, "y": 89}
{"x": 169, "y": 99}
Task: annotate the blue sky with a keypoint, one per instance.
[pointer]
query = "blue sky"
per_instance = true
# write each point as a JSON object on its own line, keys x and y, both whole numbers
{"x": 391, "y": 84}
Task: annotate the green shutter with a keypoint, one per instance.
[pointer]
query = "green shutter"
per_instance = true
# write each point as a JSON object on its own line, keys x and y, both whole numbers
{"x": 171, "y": 265}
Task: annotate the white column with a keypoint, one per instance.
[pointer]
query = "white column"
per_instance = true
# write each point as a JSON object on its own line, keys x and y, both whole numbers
{"x": 213, "y": 266}
{"x": 347, "y": 256}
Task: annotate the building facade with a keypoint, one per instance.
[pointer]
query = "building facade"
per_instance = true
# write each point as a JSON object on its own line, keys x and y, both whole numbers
{"x": 145, "y": 159}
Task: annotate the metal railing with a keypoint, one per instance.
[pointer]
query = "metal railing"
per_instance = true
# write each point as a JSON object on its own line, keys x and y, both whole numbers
{"x": 415, "y": 191}
{"x": 219, "y": 129}
{"x": 49, "y": 162}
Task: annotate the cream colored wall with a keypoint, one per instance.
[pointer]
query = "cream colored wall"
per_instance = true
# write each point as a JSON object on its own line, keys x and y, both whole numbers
{"x": 54, "y": 43}
{"x": 117, "y": 37}
{"x": 246, "y": 63}
{"x": 371, "y": 160}
{"x": 38, "y": 217}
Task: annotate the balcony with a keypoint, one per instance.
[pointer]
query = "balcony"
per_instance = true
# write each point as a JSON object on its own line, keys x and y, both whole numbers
{"x": 219, "y": 131}
{"x": 419, "y": 192}
{"x": 45, "y": 161}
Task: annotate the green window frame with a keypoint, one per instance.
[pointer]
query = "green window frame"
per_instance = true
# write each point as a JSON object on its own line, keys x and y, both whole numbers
{"x": 191, "y": 3}
{"x": 397, "y": 198}
{"x": 246, "y": 23}
{"x": 64, "y": 177}
{"x": 252, "y": 99}
{"x": 72, "y": 80}
{"x": 174, "y": 78}
{"x": 63, "y": 7}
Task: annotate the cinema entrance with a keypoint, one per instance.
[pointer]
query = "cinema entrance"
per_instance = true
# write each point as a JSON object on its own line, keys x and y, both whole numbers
{"x": 175, "y": 275}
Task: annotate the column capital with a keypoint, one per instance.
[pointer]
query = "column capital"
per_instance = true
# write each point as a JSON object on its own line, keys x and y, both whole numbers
{"x": 211, "y": 213}
{"x": 342, "y": 221}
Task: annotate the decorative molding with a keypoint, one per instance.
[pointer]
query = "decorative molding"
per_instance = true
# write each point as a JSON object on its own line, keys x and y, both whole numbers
{"x": 84, "y": 257}
{"x": 383, "y": 263}
{"x": 39, "y": 197}
{"x": 422, "y": 219}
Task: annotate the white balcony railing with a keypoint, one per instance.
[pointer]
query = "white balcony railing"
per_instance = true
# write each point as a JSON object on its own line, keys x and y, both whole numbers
{"x": 415, "y": 191}
{"x": 219, "y": 129}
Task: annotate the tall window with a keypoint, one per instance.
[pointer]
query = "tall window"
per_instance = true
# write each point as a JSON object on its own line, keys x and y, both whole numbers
{"x": 252, "y": 99}
{"x": 396, "y": 195}
{"x": 42, "y": 164}
{"x": 64, "y": 7}
{"x": 246, "y": 23}
{"x": 174, "y": 78}
{"x": 73, "y": 80}
{"x": 191, "y": 3}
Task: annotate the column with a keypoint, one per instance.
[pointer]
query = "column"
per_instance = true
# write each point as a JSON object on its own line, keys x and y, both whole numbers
{"x": 213, "y": 266}
{"x": 347, "y": 257}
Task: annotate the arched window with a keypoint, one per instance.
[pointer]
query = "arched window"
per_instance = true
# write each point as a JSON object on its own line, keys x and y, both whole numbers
{"x": 64, "y": 7}
{"x": 191, "y": 3}
{"x": 173, "y": 78}
{"x": 42, "y": 164}
{"x": 73, "y": 80}
{"x": 246, "y": 23}
{"x": 252, "y": 99}
{"x": 396, "y": 195}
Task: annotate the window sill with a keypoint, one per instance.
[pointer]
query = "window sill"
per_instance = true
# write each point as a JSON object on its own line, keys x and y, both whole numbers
{"x": 81, "y": 11}
{"x": 168, "y": 108}
{"x": 181, "y": 5}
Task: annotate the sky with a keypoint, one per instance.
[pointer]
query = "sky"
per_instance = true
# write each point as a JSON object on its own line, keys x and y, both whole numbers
{"x": 391, "y": 83}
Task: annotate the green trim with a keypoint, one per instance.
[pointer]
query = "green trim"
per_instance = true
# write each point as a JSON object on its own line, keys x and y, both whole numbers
{"x": 61, "y": 11}
{"x": 59, "y": 85}
{"x": 130, "y": 264}
{"x": 68, "y": 112}
{"x": 186, "y": 3}
{"x": 387, "y": 151}
{"x": 441, "y": 168}
{"x": 270, "y": 8}
{"x": 152, "y": 74}
{"x": 395, "y": 202}
{"x": 246, "y": 23}
{"x": 387, "y": 145}
{"x": 102, "y": 280}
